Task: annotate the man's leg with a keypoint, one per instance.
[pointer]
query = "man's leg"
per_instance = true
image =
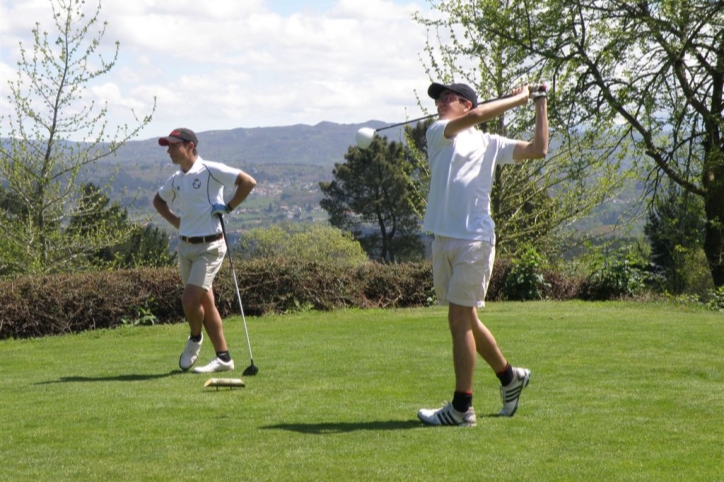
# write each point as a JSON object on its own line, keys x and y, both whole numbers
{"x": 512, "y": 380}
{"x": 460, "y": 412}
{"x": 206, "y": 267}
{"x": 460, "y": 320}
{"x": 213, "y": 323}
{"x": 201, "y": 311}
{"x": 193, "y": 308}
{"x": 470, "y": 336}
{"x": 191, "y": 302}
{"x": 487, "y": 346}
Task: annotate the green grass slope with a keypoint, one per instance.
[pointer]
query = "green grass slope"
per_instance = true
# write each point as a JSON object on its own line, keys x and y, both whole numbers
{"x": 619, "y": 392}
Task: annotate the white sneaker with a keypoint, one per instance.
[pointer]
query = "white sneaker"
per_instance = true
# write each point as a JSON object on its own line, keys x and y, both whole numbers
{"x": 216, "y": 365}
{"x": 190, "y": 354}
{"x": 510, "y": 394}
{"x": 447, "y": 415}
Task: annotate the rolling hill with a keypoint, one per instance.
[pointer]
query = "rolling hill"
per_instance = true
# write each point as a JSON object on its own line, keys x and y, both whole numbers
{"x": 320, "y": 145}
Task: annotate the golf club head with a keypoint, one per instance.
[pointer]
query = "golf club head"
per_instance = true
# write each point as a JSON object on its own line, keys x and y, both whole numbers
{"x": 364, "y": 137}
{"x": 251, "y": 370}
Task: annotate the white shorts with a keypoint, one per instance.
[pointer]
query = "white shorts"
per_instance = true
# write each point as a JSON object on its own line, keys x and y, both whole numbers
{"x": 461, "y": 270}
{"x": 199, "y": 263}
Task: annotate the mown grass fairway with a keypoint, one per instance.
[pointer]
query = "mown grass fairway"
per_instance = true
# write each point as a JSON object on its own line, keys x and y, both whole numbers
{"x": 619, "y": 392}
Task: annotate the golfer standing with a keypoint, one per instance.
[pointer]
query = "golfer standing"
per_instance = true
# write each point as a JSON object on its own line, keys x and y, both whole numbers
{"x": 197, "y": 188}
{"x": 462, "y": 161}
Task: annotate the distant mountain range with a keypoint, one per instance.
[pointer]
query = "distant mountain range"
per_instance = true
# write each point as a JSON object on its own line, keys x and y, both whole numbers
{"x": 289, "y": 158}
{"x": 322, "y": 145}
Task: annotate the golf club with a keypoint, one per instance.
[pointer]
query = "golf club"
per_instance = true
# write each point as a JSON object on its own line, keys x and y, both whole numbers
{"x": 251, "y": 369}
{"x": 366, "y": 135}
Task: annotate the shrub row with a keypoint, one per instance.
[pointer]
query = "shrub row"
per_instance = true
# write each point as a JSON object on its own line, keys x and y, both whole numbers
{"x": 71, "y": 303}
{"x": 553, "y": 285}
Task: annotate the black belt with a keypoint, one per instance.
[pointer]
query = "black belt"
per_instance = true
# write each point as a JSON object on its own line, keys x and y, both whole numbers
{"x": 202, "y": 239}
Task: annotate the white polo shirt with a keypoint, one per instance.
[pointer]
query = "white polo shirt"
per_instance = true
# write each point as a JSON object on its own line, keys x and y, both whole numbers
{"x": 193, "y": 193}
{"x": 461, "y": 180}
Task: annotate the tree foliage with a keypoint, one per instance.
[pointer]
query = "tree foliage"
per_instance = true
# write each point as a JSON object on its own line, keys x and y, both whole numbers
{"x": 372, "y": 197}
{"x": 533, "y": 203}
{"x": 653, "y": 70}
{"x": 675, "y": 227}
{"x": 140, "y": 246}
{"x": 418, "y": 172}
{"x": 41, "y": 168}
{"x": 302, "y": 242}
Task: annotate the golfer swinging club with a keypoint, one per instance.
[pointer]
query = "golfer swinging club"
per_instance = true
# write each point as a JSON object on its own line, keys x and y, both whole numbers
{"x": 462, "y": 162}
{"x": 198, "y": 188}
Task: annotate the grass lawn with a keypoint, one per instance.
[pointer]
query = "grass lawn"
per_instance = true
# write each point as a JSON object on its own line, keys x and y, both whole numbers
{"x": 619, "y": 392}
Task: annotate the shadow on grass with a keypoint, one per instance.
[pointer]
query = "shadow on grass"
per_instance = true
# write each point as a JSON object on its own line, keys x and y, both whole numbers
{"x": 114, "y": 378}
{"x": 331, "y": 428}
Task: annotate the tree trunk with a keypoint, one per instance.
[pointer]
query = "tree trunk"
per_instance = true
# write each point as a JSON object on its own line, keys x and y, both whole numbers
{"x": 714, "y": 207}
{"x": 714, "y": 240}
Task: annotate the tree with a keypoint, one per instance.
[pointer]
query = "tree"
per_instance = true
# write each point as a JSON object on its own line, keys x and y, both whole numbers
{"x": 652, "y": 71}
{"x": 370, "y": 197}
{"x": 95, "y": 215}
{"x": 675, "y": 228}
{"x": 144, "y": 246}
{"x": 41, "y": 168}
{"x": 147, "y": 246}
{"x": 301, "y": 242}
{"x": 534, "y": 203}
{"x": 417, "y": 167}
{"x": 12, "y": 208}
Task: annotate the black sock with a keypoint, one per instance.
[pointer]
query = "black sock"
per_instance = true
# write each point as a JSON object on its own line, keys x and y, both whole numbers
{"x": 506, "y": 376}
{"x": 462, "y": 401}
{"x": 196, "y": 338}
{"x": 223, "y": 356}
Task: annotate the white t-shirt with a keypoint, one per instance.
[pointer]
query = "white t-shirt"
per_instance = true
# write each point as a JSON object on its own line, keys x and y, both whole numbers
{"x": 461, "y": 170}
{"x": 193, "y": 193}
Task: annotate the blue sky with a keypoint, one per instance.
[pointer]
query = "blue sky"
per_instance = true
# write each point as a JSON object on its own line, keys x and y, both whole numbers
{"x": 255, "y": 63}
{"x": 288, "y": 7}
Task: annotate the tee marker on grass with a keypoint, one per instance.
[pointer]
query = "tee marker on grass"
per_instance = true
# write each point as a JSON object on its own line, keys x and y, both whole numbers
{"x": 225, "y": 382}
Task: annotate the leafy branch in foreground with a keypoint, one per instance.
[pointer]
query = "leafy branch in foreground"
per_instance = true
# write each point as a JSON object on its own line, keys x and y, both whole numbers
{"x": 40, "y": 167}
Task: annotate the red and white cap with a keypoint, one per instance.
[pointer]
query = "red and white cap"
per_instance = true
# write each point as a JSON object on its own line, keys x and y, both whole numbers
{"x": 179, "y": 135}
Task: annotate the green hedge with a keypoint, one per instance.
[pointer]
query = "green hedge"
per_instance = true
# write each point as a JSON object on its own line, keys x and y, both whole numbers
{"x": 71, "y": 303}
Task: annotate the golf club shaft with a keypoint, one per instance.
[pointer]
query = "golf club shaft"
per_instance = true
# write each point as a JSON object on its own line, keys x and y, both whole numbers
{"x": 236, "y": 285}
{"x": 406, "y": 122}
{"x": 533, "y": 87}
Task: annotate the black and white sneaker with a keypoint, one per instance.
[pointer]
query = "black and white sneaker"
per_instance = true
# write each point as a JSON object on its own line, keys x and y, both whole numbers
{"x": 447, "y": 415}
{"x": 510, "y": 394}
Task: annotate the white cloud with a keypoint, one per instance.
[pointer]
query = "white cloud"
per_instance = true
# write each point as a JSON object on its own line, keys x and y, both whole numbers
{"x": 240, "y": 64}
{"x": 110, "y": 94}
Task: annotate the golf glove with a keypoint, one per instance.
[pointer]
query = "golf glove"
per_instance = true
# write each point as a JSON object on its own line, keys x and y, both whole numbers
{"x": 217, "y": 209}
{"x": 538, "y": 91}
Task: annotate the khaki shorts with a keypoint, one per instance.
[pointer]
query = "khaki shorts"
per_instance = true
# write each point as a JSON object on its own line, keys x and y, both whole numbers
{"x": 461, "y": 270}
{"x": 199, "y": 263}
